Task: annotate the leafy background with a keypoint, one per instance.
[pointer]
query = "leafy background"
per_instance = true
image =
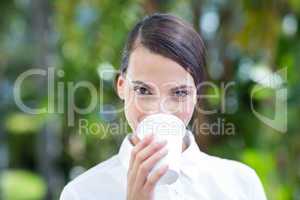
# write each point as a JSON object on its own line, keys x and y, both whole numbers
{"x": 40, "y": 153}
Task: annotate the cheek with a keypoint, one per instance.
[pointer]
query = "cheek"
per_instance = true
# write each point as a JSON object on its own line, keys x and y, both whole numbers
{"x": 132, "y": 111}
{"x": 186, "y": 112}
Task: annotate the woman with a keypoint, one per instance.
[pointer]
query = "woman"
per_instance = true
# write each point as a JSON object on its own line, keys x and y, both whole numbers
{"x": 161, "y": 70}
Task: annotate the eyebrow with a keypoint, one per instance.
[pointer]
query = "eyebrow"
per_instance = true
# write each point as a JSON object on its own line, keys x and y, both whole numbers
{"x": 182, "y": 87}
{"x": 141, "y": 83}
{"x": 172, "y": 89}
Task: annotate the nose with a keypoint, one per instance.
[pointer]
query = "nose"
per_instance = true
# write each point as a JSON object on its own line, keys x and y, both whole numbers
{"x": 162, "y": 105}
{"x": 159, "y": 106}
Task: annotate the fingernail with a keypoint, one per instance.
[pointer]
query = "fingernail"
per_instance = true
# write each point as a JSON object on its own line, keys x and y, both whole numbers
{"x": 165, "y": 167}
{"x": 163, "y": 142}
{"x": 164, "y": 150}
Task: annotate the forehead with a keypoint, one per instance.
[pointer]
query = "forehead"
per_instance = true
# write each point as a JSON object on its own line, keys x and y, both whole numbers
{"x": 156, "y": 69}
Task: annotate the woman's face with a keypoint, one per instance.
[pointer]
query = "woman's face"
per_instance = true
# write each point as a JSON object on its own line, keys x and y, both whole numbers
{"x": 155, "y": 84}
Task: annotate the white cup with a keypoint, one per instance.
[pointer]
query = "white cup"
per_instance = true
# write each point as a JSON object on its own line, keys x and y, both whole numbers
{"x": 165, "y": 127}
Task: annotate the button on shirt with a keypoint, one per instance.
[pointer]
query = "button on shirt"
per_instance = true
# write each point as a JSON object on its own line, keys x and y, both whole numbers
{"x": 202, "y": 177}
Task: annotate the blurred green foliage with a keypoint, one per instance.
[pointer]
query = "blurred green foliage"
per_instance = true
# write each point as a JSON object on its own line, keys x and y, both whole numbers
{"x": 21, "y": 184}
{"x": 82, "y": 38}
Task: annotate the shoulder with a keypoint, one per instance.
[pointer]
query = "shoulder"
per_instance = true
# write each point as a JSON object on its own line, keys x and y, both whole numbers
{"x": 96, "y": 180}
{"x": 236, "y": 169}
{"x": 97, "y": 171}
{"x": 236, "y": 174}
{"x": 216, "y": 162}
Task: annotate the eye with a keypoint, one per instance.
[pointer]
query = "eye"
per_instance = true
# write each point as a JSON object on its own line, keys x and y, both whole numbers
{"x": 141, "y": 90}
{"x": 181, "y": 93}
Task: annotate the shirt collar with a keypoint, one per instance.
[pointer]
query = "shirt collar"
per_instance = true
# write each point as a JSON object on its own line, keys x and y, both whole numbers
{"x": 188, "y": 161}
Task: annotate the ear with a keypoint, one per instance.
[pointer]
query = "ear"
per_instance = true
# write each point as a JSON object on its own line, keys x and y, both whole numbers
{"x": 120, "y": 86}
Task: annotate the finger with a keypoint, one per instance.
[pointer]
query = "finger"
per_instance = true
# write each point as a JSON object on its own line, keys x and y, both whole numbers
{"x": 144, "y": 142}
{"x": 147, "y": 165}
{"x": 146, "y": 153}
{"x": 135, "y": 139}
{"x": 154, "y": 178}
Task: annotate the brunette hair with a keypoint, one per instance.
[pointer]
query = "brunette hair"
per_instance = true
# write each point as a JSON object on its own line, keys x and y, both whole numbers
{"x": 172, "y": 37}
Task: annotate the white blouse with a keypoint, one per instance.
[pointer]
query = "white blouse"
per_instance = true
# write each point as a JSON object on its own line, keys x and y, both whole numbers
{"x": 202, "y": 177}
